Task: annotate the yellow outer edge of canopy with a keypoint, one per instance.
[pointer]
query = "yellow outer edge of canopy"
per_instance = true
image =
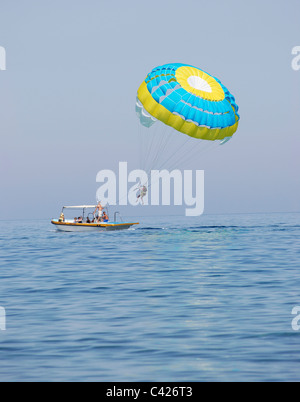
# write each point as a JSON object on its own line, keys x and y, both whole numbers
{"x": 161, "y": 113}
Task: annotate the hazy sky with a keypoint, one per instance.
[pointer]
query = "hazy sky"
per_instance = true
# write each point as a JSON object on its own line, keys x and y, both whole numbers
{"x": 73, "y": 68}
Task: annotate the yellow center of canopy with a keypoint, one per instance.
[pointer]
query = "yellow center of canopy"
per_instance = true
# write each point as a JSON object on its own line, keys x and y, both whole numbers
{"x": 199, "y": 83}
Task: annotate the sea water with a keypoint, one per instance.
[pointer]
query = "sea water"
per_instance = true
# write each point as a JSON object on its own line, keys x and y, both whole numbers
{"x": 174, "y": 299}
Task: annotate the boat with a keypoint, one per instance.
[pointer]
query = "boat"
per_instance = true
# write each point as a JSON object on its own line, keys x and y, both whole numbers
{"x": 86, "y": 224}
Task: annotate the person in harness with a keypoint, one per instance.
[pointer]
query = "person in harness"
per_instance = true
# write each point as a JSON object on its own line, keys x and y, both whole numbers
{"x": 141, "y": 193}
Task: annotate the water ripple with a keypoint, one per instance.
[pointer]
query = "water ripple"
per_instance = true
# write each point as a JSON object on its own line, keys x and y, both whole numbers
{"x": 169, "y": 301}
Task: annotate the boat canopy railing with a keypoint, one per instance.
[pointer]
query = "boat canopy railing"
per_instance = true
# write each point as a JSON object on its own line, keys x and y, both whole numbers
{"x": 80, "y": 207}
{"x": 115, "y": 216}
{"x": 83, "y": 207}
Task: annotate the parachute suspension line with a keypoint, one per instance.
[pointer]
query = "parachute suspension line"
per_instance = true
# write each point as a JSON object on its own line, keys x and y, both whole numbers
{"x": 166, "y": 136}
{"x": 187, "y": 150}
{"x": 156, "y": 140}
{"x": 162, "y": 144}
{"x": 176, "y": 152}
{"x": 162, "y": 156}
{"x": 186, "y": 141}
{"x": 195, "y": 148}
{"x": 178, "y": 149}
{"x": 175, "y": 164}
{"x": 159, "y": 142}
{"x": 185, "y": 154}
{"x": 152, "y": 139}
{"x": 189, "y": 154}
{"x": 192, "y": 154}
{"x": 141, "y": 143}
{"x": 154, "y": 153}
{"x": 165, "y": 148}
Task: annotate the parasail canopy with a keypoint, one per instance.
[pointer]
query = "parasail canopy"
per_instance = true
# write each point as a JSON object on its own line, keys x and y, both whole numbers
{"x": 188, "y": 99}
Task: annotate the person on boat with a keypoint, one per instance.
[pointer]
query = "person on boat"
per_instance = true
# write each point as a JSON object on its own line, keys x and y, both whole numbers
{"x": 61, "y": 218}
{"x": 75, "y": 220}
{"x": 79, "y": 220}
{"x": 104, "y": 217}
{"x": 141, "y": 193}
{"x": 98, "y": 212}
{"x": 88, "y": 220}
